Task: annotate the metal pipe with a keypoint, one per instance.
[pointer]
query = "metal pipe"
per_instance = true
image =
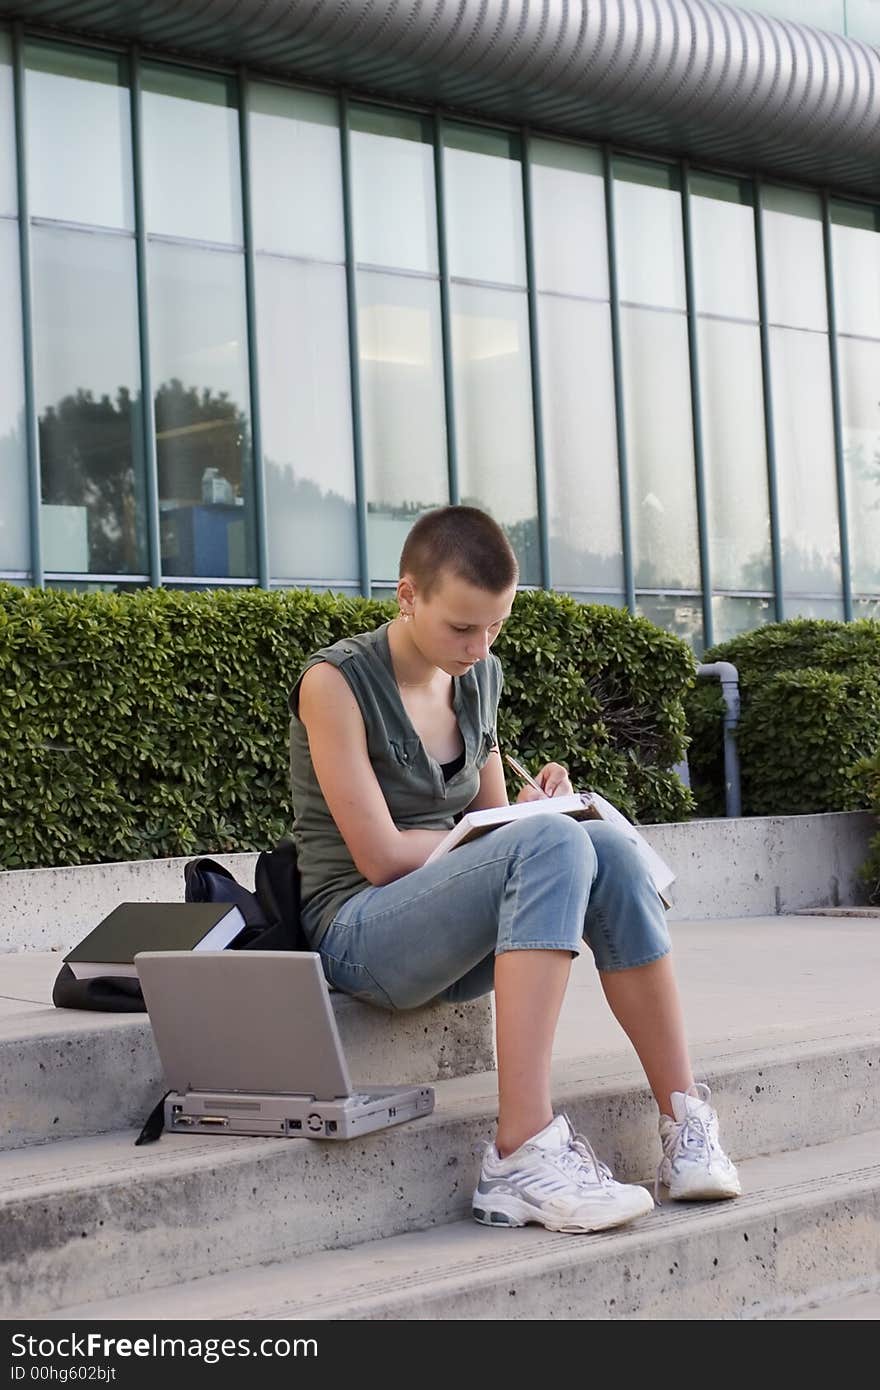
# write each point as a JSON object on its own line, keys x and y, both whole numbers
{"x": 727, "y": 674}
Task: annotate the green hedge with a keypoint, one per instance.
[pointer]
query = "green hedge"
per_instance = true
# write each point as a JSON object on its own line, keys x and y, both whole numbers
{"x": 156, "y": 723}
{"x": 810, "y": 693}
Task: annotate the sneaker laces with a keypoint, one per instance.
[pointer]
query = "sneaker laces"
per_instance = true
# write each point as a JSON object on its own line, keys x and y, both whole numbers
{"x": 579, "y": 1154}
{"x": 692, "y": 1137}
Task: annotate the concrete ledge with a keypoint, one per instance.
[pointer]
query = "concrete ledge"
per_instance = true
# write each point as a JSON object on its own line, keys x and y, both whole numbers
{"x": 66, "y": 1073}
{"x": 726, "y": 868}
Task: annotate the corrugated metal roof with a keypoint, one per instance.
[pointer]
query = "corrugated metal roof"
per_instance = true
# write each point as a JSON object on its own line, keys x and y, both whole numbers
{"x": 690, "y": 77}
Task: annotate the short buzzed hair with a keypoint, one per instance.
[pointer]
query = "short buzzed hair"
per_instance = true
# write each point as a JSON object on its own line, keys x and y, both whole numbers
{"x": 462, "y": 541}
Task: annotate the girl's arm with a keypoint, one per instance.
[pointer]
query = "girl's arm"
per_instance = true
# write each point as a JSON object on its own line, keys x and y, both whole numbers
{"x": 338, "y": 747}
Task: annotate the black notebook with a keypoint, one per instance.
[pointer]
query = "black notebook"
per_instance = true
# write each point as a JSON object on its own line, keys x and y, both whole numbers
{"x": 131, "y": 927}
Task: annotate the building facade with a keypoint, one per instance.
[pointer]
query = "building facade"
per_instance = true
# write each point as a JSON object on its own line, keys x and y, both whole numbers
{"x": 276, "y": 279}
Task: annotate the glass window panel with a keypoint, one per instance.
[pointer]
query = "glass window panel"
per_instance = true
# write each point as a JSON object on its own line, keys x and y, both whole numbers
{"x": 799, "y": 606}
{"x": 8, "y": 193}
{"x": 725, "y": 268}
{"x": 86, "y": 586}
{"x": 863, "y": 20}
{"x": 493, "y": 410}
{"x": 393, "y": 195}
{"x": 795, "y": 258}
{"x": 568, "y": 214}
{"x": 660, "y": 449}
{"x": 305, "y": 409}
{"x": 14, "y": 513}
{"x": 860, "y": 421}
{"x": 296, "y": 172}
{"x": 678, "y": 613}
{"x": 192, "y": 170}
{"x": 603, "y": 600}
{"x": 87, "y": 387}
{"x": 198, "y": 354}
{"x": 855, "y": 252}
{"x": 580, "y": 443}
{"x": 402, "y": 409}
{"x": 78, "y": 103}
{"x": 735, "y": 455}
{"x": 732, "y": 615}
{"x": 805, "y": 468}
{"x": 650, "y": 243}
{"x": 484, "y": 209}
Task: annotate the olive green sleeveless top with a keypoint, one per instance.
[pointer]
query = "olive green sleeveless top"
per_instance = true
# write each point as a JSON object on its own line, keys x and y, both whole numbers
{"x": 412, "y": 782}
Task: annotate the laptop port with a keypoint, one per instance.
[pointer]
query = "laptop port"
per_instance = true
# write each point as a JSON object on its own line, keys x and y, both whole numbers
{"x": 294, "y": 1124}
{"x": 330, "y": 1126}
{"x": 218, "y": 1121}
{"x": 179, "y": 1119}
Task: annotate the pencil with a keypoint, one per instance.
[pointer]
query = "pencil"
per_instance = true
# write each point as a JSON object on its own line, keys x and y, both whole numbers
{"x": 521, "y": 772}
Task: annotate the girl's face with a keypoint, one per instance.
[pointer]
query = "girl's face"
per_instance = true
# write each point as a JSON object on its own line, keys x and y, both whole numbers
{"x": 457, "y": 624}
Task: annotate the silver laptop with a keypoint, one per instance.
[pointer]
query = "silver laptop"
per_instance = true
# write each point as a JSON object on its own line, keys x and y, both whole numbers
{"x": 249, "y": 1045}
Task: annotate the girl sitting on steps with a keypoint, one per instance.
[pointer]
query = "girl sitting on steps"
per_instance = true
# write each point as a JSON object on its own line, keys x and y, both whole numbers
{"x": 393, "y": 735}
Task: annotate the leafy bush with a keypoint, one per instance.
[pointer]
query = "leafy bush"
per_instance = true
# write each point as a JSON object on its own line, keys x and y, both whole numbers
{"x": 155, "y": 723}
{"x": 810, "y": 693}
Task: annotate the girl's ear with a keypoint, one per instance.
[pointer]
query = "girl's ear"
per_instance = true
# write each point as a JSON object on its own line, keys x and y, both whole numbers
{"x": 405, "y": 595}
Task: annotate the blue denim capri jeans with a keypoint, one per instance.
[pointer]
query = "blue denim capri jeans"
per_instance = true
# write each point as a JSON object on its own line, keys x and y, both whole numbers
{"x": 545, "y": 883}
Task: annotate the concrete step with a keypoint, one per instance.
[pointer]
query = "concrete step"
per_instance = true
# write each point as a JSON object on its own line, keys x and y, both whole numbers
{"x": 66, "y": 1073}
{"x": 90, "y": 1218}
{"x": 807, "y": 1224}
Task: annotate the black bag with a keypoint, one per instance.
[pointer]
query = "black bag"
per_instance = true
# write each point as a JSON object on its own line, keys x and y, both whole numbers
{"x": 271, "y": 916}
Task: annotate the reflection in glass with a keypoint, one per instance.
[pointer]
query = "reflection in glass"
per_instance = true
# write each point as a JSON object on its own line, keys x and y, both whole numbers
{"x": 79, "y": 103}
{"x": 734, "y": 455}
{"x": 855, "y": 251}
{"x": 8, "y": 193}
{"x": 402, "y": 411}
{"x": 305, "y": 408}
{"x": 660, "y": 449}
{"x": 88, "y": 402}
{"x": 795, "y": 257}
{"x": 91, "y": 586}
{"x": 805, "y": 466}
{"x": 14, "y": 542}
{"x": 395, "y": 218}
{"x": 723, "y": 223}
{"x": 296, "y": 172}
{"x": 866, "y": 608}
{"x": 860, "y": 421}
{"x": 678, "y": 613}
{"x": 192, "y": 171}
{"x": 484, "y": 208}
{"x": 732, "y": 615}
{"x": 198, "y": 355}
{"x": 650, "y": 266}
{"x": 568, "y": 215}
{"x": 580, "y": 443}
{"x": 493, "y": 409}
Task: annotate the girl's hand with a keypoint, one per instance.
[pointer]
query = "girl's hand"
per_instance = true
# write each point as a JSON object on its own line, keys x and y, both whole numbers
{"x": 553, "y": 780}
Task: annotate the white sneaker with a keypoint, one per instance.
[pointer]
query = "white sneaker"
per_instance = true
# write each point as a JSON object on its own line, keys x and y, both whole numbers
{"x": 556, "y": 1180}
{"x": 694, "y": 1166}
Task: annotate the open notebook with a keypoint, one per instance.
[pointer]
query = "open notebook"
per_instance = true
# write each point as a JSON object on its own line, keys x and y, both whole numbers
{"x": 581, "y": 806}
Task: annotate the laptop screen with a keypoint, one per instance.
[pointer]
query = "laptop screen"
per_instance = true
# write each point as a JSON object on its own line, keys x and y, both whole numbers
{"x": 251, "y": 1021}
